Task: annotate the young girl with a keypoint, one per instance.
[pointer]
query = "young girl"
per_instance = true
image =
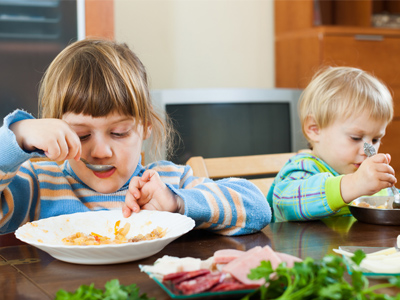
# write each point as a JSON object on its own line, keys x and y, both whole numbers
{"x": 340, "y": 109}
{"x": 95, "y": 104}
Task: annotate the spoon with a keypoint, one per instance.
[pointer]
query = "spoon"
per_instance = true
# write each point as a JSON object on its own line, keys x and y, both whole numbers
{"x": 96, "y": 168}
{"x": 369, "y": 150}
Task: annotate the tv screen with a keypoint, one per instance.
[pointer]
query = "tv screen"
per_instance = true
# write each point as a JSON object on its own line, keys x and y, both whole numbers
{"x": 230, "y": 129}
{"x": 223, "y": 122}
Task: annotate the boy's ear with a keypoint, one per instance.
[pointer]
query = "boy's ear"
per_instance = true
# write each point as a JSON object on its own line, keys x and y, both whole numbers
{"x": 311, "y": 129}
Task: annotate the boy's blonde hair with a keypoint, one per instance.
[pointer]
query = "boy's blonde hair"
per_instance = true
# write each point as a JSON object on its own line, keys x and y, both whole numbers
{"x": 341, "y": 92}
{"x": 97, "y": 77}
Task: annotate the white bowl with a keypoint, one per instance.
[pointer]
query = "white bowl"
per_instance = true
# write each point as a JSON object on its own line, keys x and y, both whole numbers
{"x": 47, "y": 235}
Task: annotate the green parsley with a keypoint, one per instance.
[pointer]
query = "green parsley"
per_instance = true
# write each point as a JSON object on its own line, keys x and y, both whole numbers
{"x": 113, "y": 291}
{"x": 318, "y": 280}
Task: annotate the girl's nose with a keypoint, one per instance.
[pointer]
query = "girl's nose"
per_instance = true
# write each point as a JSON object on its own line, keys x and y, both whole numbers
{"x": 100, "y": 148}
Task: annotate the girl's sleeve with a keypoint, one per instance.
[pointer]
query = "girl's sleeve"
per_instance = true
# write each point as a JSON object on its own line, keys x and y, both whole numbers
{"x": 229, "y": 206}
{"x": 302, "y": 194}
{"x": 18, "y": 184}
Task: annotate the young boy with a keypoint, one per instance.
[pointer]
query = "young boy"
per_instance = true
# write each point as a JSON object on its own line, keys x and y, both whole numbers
{"x": 340, "y": 109}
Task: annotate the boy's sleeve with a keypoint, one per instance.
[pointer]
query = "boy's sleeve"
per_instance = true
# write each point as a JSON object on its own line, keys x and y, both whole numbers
{"x": 229, "y": 206}
{"x": 332, "y": 191}
{"x": 302, "y": 192}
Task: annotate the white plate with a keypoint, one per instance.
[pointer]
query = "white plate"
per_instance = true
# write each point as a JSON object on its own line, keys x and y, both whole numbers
{"x": 47, "y": 235}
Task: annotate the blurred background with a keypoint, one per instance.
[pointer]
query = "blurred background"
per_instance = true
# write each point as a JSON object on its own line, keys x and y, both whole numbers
{"x": 183, "y": 44}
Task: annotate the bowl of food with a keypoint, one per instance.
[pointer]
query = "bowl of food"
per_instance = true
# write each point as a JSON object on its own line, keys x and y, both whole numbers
{"x": 105, "y": 237}
{"x": 375, "y": 210}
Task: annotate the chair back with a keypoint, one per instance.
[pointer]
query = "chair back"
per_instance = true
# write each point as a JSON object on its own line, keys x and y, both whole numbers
{"x": 264, "y": 167}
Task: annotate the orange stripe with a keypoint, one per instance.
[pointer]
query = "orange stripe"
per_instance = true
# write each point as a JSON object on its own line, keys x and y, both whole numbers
{"x": 10, "y": 203}
{"x": 48, "y": 193}
{"x": 5, "y": 176}
{"x": 214, "y": 207}
{"x": 240, "y": 212}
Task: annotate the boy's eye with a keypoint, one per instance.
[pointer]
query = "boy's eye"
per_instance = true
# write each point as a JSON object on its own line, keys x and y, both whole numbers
{"x": 375, "y": 141}
{"x": 84, "y": 137}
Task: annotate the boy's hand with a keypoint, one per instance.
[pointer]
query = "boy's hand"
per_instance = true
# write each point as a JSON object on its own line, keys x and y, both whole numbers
{"x": 373, "y": 175}
{"x": 149, "y": 192}
{"x": 53, "y": 136}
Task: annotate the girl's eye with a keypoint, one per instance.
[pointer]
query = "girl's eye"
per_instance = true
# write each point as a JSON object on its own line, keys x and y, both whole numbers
{"x": 84, "y": 137}
{"x": 120, "y": 134}
{"x": 355, "y": 138}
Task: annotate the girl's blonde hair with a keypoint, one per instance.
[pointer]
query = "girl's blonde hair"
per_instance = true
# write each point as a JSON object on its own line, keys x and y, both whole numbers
{"x": 341, "y": 92}
{"x": 97, "y": 77}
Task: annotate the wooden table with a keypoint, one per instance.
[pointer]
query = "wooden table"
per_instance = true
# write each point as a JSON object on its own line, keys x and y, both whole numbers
{"x": 29, "y": 273}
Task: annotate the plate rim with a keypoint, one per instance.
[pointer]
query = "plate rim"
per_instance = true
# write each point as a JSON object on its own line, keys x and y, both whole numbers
{"x": 17, "y": 233}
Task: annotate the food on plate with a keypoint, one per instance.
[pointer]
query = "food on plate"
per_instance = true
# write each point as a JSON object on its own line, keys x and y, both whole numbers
{"x": 226, "y": 270}
{"x": 80, "y": 238}
{"x": 318, "y": 279}
{"x": 226, "y": 255}
{"x": 365, "y": 204}
{"x": 385, "y": 261}
{"x": 47, "y": 235}
{"x": 171, "y": 264}
{"x": 293, "y": 279}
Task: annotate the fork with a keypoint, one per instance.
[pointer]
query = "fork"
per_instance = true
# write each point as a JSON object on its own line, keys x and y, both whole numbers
{"x": 369, "y": 150}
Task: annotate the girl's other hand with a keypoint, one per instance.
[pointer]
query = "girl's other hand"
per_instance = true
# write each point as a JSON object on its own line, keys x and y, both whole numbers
{"x": 373, "y": 175}
{"x": 53, "y": 136}
{"x": 149, "y": 192}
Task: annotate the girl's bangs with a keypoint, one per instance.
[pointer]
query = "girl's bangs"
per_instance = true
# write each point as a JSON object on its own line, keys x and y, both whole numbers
{"x": 97, "y": 97}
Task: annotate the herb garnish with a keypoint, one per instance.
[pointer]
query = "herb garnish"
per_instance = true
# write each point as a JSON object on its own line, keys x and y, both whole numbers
{"x": 318, "y": 280}
{"x": 113, "y": 291}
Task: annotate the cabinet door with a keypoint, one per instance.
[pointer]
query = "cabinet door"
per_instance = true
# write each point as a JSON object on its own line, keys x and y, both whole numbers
{"x": 377, "y": 54}
{"x": 297, "y": 58}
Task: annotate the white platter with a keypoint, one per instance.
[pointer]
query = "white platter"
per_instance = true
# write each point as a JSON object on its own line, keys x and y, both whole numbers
{"x": 47, "y": 235}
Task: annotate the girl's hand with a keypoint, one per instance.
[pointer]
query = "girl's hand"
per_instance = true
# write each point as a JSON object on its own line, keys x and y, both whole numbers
{"x": 149, "y": 192}
{"x": 373, "y": 175}
{"x": 53, "y": 136}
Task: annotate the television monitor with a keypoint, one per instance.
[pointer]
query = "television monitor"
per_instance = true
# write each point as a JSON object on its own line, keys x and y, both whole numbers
{"x": 231, "y": 121}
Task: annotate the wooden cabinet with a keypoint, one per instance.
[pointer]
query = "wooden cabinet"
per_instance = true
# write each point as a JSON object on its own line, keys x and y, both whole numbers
{"x": 310, "y": 34}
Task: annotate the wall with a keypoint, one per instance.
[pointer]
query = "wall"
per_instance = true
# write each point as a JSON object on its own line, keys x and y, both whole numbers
{"x": 200, "y": 43}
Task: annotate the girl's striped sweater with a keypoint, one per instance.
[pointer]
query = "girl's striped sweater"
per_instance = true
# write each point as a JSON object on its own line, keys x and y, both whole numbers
{"x": 35, "y": 190}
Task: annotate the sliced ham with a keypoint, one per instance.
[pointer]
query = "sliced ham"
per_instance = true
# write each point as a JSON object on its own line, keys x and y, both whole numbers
{"x": 192, "y": 276}
{"x": 289, "y": 259}
{"x": 240, "y": 267}
{"x": 225, "y": 256}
